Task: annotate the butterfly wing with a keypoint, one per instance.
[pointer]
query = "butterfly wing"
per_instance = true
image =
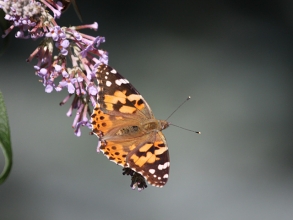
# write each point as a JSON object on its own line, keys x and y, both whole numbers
{"x": 119, "y": 106}
{"x": 116, "y": 120}
{"x": 151, "y": 160}
{"x": 118, "y": 97}
{"x": 148, "y": 156}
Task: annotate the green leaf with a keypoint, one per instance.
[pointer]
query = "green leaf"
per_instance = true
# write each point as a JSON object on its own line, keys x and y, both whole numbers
{"x": 5, "y": 142}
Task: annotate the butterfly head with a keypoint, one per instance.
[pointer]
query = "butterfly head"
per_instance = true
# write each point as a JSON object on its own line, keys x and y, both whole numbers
{"x": 164, "y": 124}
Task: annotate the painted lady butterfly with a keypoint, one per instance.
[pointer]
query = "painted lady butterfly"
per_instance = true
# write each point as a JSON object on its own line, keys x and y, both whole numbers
{"x": 128, "y": 132}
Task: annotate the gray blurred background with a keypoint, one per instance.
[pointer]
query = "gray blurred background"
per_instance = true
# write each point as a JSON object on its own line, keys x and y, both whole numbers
{"x": 234, "y": 58}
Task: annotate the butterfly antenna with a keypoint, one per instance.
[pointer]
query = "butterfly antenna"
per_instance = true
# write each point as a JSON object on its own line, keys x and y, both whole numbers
{"x": 178, "y": 107}
{"x": 197, "y": 132}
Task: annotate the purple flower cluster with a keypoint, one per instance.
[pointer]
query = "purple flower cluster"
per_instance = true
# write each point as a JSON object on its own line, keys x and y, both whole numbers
{"x": 66, "y": 58}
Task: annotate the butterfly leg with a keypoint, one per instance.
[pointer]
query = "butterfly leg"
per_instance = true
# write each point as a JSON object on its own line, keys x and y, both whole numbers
{"x": 137, "y": 180}
{"x": 99, "y": 146}
{"x": 100, "y": 136}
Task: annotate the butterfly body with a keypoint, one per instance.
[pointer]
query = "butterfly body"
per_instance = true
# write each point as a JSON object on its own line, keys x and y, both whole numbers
{"x": 129, "y": 133}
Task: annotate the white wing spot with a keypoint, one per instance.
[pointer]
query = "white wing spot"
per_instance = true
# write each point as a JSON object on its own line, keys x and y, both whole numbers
{"x": 164, "y": 166}
{"x": 106, "y": 77}
{"x": 113, "y": 71}
{"x": 159, "y": 178}
{"x": 121, "y": 81}
{"x": 152, "y": 171}
{"x": 107, "y": 73}
{"x": 166, "y": 176}
{"x": 118, "y": 82}
{"x": 108, "y": 83}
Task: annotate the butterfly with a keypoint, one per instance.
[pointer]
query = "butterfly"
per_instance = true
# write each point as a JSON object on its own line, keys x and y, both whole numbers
{"x": 128, "y": 132}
